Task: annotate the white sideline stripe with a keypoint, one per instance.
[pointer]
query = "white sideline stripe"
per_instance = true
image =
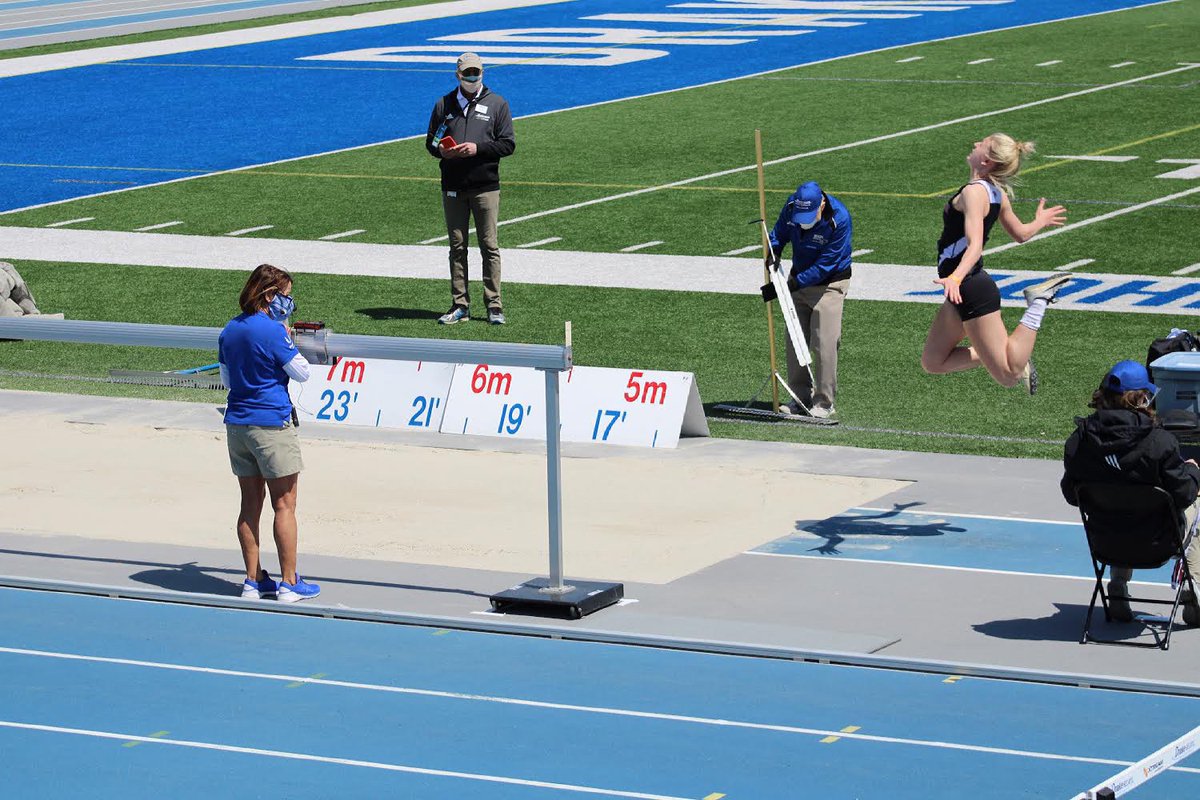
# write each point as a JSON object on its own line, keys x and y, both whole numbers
{"x": 981, "y": 61}
{"x": 1083, "y": 262}
{"x": 66, "y": 222}
{"x": 858, "y": 253}
{"x": 540, "y": 242}
{"x": 909, "y": 59}
{"x": 343, "y": 234}
{"x": 741, "y": 250}
{"x": 1049, "y": 63}
{"x": 1187, "y": 270}
{"x": 1090, "y": 220}
{"x": 135, "y": 53}
{"x": 346, "y": 762}
{"x": 633, "y": 248}
{"x": 983, "y": 570}
{"x": 159, "y": 226}
{"x": 972, "y": 516}
{"x": 619, "y": 712}
{"x": 1121, "y": 64}
{"x": 249, "y": 230}
{"x": 1113, "y": 159}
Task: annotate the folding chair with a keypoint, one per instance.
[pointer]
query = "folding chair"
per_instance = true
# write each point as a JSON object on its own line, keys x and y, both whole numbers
{"x": 1131, "y": 526}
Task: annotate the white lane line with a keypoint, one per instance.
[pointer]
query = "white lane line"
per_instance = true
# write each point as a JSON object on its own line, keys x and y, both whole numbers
{"x": 540, "y": 242}
{"x": 741, "y": 250}
{"x": 1187, "y": 270}
{"x": 250, "y": 230}
{"x": 159, "y": 226}
{"x": 1090, "y": 220}
{"x": 66, "y": 222}
{"x": 908, "y": 60}
{"x": 633, "y": 248}
{"x": 817, "y": 539}
{"x": 1121, "y": 64}
{"x": 1083, "y": 262}
{"x": 345, "y": 762}
{"x": 981, "y": 61}
{"x": 437, "y": 239}
{"x": 858, "y": 253}
{"x": 1111, "y": 159}
{"x": 1049, "y": 63}
{"x": 617, "y": 712}
{"x": 838, "y": 147}
{"x": 970, "y": 516}
{"x": 342, "y": 235}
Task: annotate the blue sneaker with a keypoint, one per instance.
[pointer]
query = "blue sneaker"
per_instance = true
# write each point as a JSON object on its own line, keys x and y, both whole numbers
{"x": 262, "y": 589}
{"x": 300, "y": 590}
{"x": 454, "y": 315}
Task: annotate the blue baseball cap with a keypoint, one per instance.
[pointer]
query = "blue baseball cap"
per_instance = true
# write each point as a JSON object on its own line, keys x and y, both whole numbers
{"x": 806, "y": 203}
{"x": 1128, "y": 376}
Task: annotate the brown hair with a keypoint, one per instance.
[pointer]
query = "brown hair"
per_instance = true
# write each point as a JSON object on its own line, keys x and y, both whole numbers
{"x": 265, "y": 280}
{"x": 1133, "y": 400}
{"x": 1006, "y": 153}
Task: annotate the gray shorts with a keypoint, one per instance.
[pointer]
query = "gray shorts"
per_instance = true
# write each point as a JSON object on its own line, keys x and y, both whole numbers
{"x": 257, "y": 451}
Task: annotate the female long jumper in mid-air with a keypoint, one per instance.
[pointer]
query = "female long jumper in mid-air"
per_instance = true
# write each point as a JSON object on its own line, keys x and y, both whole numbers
{"x": 972, "y": 307}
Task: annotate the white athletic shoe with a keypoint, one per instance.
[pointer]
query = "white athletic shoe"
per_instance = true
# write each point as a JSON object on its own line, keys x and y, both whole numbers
{"x": 1048, "y": 289}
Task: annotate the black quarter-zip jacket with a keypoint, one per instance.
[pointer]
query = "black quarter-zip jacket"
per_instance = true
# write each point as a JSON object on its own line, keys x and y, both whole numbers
{"x": 488, "y": 123}
{"x": 1118, "y": 446}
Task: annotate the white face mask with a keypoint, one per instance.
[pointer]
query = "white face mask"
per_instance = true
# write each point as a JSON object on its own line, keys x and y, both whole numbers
{"x": 809, "y": 226}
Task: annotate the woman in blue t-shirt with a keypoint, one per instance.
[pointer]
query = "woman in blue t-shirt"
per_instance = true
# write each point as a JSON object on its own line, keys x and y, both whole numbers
{"x": 257, "y": 358}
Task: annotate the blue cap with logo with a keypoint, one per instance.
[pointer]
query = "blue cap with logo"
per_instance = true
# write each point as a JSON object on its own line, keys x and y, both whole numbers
{"x": 806, "y": 204}
{"x": 1127, "y": 376}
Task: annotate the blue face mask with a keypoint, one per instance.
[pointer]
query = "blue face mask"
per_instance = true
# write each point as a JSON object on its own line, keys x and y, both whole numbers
{"x": 281, "y": 307}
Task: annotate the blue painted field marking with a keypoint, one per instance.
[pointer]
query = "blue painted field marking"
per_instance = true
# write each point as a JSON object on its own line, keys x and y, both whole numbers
{"x": 454, "y": 733}
{"x": 160, "y": 116}
{"x": 956, "y": 541}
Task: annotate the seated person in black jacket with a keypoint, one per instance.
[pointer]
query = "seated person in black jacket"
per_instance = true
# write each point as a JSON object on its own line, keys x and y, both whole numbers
{"x": 1121, "y": 443}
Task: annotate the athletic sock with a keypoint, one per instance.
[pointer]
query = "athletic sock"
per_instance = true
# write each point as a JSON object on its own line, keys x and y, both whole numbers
{"x": 1033, "y": 314}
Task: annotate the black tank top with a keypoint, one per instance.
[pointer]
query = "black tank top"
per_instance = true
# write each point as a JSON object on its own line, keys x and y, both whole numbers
{"x": 953, "y": 241}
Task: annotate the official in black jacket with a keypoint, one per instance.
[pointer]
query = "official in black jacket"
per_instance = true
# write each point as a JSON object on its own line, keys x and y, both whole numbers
{"x": 470, "y": 130}
{"x": 1122, "y": 443}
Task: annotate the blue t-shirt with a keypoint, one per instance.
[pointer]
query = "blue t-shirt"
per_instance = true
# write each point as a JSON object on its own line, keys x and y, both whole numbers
{"x": 254, "y": 348}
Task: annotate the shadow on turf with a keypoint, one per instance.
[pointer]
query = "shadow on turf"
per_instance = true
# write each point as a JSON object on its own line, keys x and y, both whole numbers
{"x": 835, "y": 530}
{"x": 381, "y": 314}
{"x": 192, "y": 578}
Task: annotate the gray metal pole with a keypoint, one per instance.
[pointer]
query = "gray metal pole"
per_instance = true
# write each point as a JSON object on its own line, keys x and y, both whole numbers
{"x": 554, "y": 484}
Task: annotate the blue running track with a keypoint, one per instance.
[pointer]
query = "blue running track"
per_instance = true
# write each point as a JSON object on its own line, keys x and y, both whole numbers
{"x": 169, "y": 117}
{"x": 114, "y": 698}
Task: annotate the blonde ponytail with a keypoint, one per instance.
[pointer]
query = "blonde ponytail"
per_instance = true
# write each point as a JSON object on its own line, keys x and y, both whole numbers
{"x": 1006, "y": 154}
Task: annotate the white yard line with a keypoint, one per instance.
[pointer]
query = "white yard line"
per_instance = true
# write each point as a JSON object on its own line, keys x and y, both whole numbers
{"x": 633, "y": 248}
{"x": 1121, "y": 64}
{"x": 980, "y": 61}
{"x": 909, "y": 60}
{"x": 250, "y": 230}
{"x": 159, "y": 226}
{"x": 858, "y": 253}
{"x": 1083, "y": 262}
{"x": 1111, "y": 159}
{"x": 1049, "y": 63}
{"x": 741, "y": 250}
{"x": 331, "y": 237}
{"x": 540, "y": 242}
{"x": 1092, "y": 220}
{"x": 1187, "y": 270}
{"x": 66, "y": 222}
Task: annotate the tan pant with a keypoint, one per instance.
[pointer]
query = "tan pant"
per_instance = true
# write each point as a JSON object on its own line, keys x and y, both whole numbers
{"x": 459, "y": 208}
{"x": 15, "y": 299}
{"x": 820, "y": 311}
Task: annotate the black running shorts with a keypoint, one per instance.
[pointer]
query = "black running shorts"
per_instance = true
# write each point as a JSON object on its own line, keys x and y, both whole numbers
{"x": 980, "y": 296}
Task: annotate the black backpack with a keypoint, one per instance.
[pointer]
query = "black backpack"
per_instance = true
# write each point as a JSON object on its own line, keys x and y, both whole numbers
{"x": 1181, "y": 343}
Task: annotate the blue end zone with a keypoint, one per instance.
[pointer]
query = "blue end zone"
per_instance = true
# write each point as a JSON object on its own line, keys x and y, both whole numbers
{"x": 948, "y": 540}
{"x": 197, "y": 115}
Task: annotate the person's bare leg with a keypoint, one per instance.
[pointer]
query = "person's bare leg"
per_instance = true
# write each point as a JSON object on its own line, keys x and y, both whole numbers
{"x": 943, "y": 346}
{"x": 1002, "y": 355}
{"x": 283, "y": 503}
{"x": 253, "y": 493}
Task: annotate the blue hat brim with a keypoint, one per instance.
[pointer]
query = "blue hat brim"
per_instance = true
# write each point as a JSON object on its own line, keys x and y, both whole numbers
{"x": 805, "y": 217}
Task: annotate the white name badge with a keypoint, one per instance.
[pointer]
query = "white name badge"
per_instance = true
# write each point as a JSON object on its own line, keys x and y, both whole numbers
{"x": 630, "y": 407}
{"x": 377, "y": 392}
{"x": 496, "y": 401}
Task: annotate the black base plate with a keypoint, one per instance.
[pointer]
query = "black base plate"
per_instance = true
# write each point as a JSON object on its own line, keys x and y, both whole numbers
{"x": 583, "y": 598}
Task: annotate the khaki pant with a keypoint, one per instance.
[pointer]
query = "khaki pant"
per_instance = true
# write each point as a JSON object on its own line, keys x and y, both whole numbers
{"x": 15, "y": 299}
{"x": 459, "y": 208}
{"x": 820, "y": 311}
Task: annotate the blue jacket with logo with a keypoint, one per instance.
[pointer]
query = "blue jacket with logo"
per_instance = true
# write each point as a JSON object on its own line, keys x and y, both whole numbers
{"x": 820, "y": 255}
